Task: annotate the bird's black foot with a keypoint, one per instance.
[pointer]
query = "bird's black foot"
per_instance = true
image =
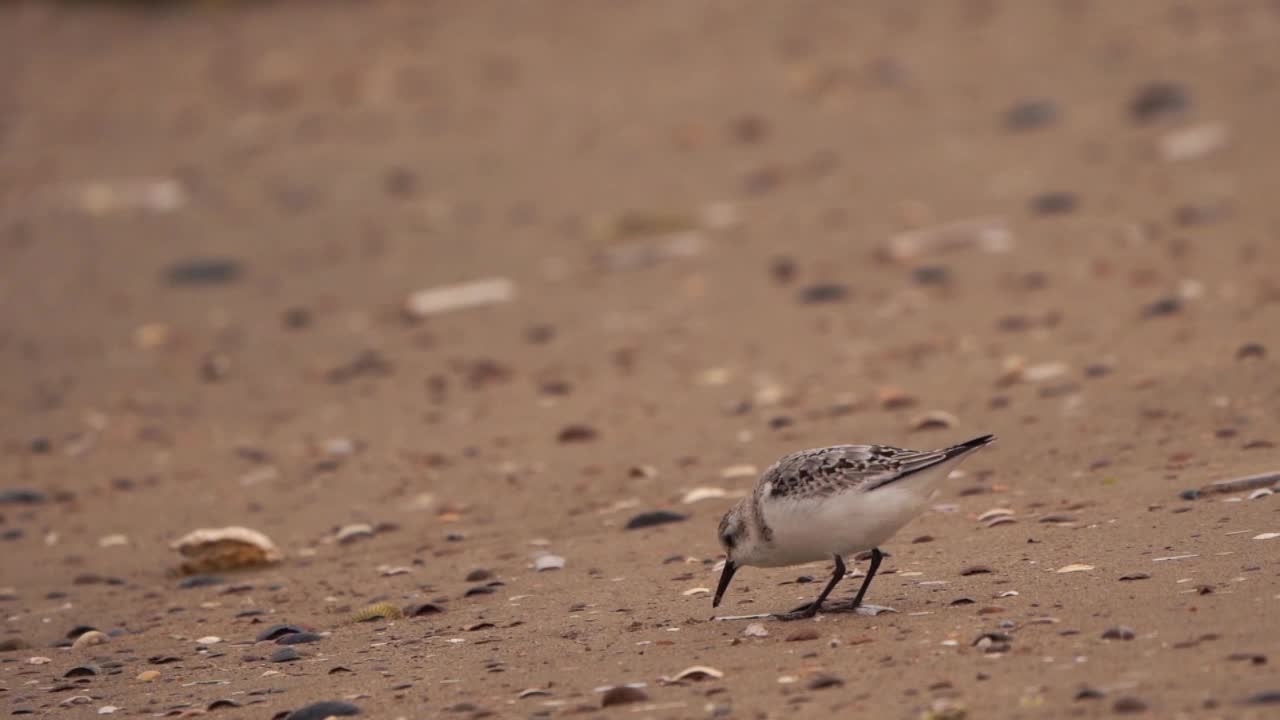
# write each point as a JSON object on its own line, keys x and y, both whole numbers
{"x": 804, "y": 612}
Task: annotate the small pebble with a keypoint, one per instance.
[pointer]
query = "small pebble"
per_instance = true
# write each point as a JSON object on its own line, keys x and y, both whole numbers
{"x": 823, "y": 681}
{"x": 148, "y": 675}
{"x": 1158, "y": 100}
{"x": 823, "y": 293}
{"x": 623, "y": 695}
{"x": 87, "y": 670}
{"x": 1118, "y": 633}
{"x": 1267, "y": 697}
{"x": 1054, "y": 203}
{"x": 478, "y": 575}
{"x": 1251, "y": 351}
{"x": 322, "y": 710}
{"x": 299, "y": 638}
{"x": 803, "y": 635}
{"x": 1031, "y": 114}
{"x": 1128, "y": 705}
{"x": 577, "y": 434}
{"x": 22, "y": 496}
{"x": 275, "y": 631}
{"x": 655, "y": 517}
{"x": 1089, "y": 693}
{"x": 286, "y": 654}
{"x": 756, "y": 630}
{"x": 204, "y": 271}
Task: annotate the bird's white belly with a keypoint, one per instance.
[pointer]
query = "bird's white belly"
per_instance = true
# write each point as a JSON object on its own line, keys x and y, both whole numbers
{"x": 810, "y": 529}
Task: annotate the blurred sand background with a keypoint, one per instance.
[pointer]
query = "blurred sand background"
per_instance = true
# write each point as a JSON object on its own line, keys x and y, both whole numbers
{"x": 720, "y": 232}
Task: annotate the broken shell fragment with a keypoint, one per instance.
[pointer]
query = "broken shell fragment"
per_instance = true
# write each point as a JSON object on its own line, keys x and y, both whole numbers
{"x": 697, "y": 672}
{"x": 228, "y": 548}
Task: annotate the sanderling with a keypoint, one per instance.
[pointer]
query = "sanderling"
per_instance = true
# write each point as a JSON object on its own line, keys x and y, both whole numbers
{"x": 832, "y": 502}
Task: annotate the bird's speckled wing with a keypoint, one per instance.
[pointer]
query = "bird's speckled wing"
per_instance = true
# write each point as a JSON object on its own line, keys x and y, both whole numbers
{"x": 825, "y": 471}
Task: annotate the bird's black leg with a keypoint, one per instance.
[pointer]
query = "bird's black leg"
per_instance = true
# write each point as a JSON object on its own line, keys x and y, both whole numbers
{"x": 876, "y": 556}
{"x": 810, "y": 609}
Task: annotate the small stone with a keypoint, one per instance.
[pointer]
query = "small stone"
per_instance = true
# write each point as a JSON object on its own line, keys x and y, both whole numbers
{"x": 823, "y": 681}
{"x": 1266, "y": 697}
{"x": 286, "y": 654}
{"x": 82, "y": 671}
{"x": 148, "y": 675}
{"x": 1128, "y": 705}
{"x": 653, "y": 518}
{"x": 107, "y": 709}
{"x": 623, "y": 695}
{"x": 934, "y": 420}
{"x": 975, "y": 570}
{"x": 931, "y": 275}
{"x": 823, "y": 293}
{"x": 199, "y": 581}
{"x": 208, "y": 640}
{"x": 322, "y": 710}
{"x": 1162, "y": 307}
{"x": 204, "y": 271}
{"x": 450, "y": 298}
{"x": 1031, "y": 114}
{"x": 300, "y": 638}
{"x": 479, "y": 590}
{"x": 421, "y": 609}
{"x": 756, "y": 630}
{"x": 1054, "y": 203}
{"x": 783, "y": 270}
{"x": 1193, "y": 143}
{"x": 22, "y": 496}
{"x": 577, "y": 434}
{"x": 274, "y": 632}
{"x": 1089, "y": 693}
{"x": 1077, "y": 567}
{"x": 222, "y": 703}
{"x": 1118, "y": 633}
{"x": 1158, "y": 100}
{"x": 1251, "y": 350}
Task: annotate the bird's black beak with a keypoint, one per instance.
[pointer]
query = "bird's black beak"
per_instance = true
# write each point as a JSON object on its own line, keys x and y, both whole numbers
{"x": 729, "y": 569}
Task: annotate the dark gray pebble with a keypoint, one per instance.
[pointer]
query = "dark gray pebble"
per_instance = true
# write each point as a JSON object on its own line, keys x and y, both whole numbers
{"x": 79, "y": 630}
{"x": 935, "y": 275}
{"x": 299, "y": 638}
{"x": 22, "y": 496}
{"x": 1031, "y": 114}
{"x": 204, "y": 271}
{"x": 1164, "y": 306}
{"x": 287, "y": 654}
{"x": 275, "y": 631}
{"x": 656, "y": 517}
{"x": 823, "y": 681}
{"x": 322, "y": 710}
{"x": 420, "y": 609}
{"x": 1266, "y": 697}
{"x": 1251, "y": 350}
{"x": 1118, "y": 633}
{"x": 82, "y": 671}
{"x": 478, "y": 590}
{"x": 1089, "y": 693}
{"x": 1158, "y": 100}
{"x": 823, "y": 293}
{"x": 223, "y": 703}
{"x": 1054, "y": 203}
{"x": 199, "y": 581}
{"x": 478, "y": 574}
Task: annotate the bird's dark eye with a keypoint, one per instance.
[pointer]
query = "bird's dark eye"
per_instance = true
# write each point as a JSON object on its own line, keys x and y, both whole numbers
{"x": 727, "y": 539}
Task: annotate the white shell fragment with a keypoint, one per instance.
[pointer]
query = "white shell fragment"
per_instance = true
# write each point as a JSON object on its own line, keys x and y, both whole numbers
{"x": 696, "y": 591}
{"x": 697, "y": 672}
{"x": 990, "y": 234}
{"x": 1074, "y": 568}
{"x": 227, "y": 548}
{"x": 1267, "y": 536}
{"x": 548, "y": 562}
{"x": 448, "y": 298}
{"x": 994, "y": 513}
{"x": 703, "y": 493}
